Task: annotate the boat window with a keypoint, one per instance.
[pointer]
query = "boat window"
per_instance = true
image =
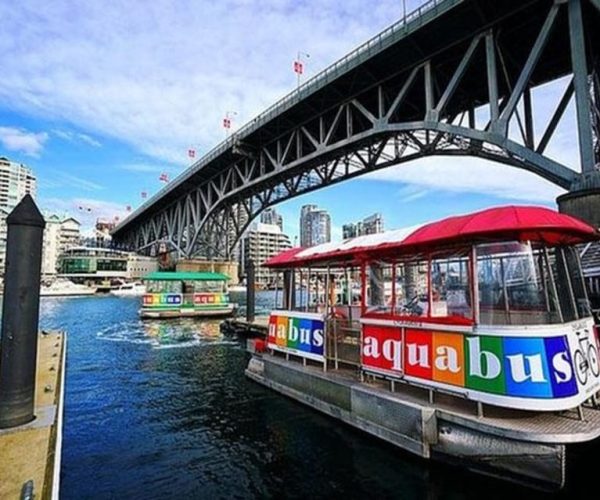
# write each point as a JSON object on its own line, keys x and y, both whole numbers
{"x": 412, "y": 289}
{"x": 570, "y": 287}
{"x": 450, "y": 287}
{"x": 160, "y": 286}
{"x": 208, "y": 286}
{"x": 380, "y": 277}
{"x": 518, "y": 285}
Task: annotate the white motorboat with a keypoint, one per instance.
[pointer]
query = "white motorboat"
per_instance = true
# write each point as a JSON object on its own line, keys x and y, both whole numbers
{"x": 237, "y": 288}
{"x": 65, "y": 288}
{"x": 129, "y": 290}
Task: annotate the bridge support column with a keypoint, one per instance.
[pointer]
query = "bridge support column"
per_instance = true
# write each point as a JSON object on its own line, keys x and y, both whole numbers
{"x": 584, "y": 204}
{"x": 583, "y": 200}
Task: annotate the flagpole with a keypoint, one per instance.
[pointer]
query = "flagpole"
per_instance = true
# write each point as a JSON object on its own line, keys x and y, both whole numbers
{"x": 299, "y": 67}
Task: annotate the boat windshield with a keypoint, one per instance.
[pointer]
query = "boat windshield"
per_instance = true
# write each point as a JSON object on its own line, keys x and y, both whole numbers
{"x": 163, "y": 286}
{"x": 523, "y": 284}
{"x": 211, "y": 286}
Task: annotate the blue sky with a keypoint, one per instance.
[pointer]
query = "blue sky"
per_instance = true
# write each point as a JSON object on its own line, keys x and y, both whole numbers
{"x": 100, "y": 97}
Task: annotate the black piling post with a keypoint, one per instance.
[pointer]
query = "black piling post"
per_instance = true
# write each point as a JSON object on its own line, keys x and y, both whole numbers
{"x": 20, "y": 311}
{"x": 289, "y": 290}
{"x": 250, "y": 291}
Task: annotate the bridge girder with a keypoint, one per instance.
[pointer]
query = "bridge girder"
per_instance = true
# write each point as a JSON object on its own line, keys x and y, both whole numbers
{"x": 416, "y": 112}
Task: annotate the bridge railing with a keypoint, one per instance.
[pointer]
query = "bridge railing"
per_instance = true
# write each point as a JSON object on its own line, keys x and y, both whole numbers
{"x": 413, "y": 20}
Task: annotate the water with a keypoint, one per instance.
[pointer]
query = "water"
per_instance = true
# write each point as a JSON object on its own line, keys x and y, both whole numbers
{"x": 163, "y": 410}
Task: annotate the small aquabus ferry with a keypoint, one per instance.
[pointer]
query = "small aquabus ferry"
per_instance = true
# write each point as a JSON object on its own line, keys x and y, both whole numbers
{"x": 472, "y": 339}
{"x": 185, "y": 294}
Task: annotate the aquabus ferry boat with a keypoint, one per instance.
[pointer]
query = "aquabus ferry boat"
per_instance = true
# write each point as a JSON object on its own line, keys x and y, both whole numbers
{"x": 472, "y": 340}
{"x": 185, "y": 294}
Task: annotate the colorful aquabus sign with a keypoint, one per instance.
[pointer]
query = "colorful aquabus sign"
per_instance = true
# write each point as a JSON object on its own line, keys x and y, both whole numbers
{"x": 201, "y": 299}
{"x": 554, "y": 372}
{"x": 162, "y": 300}
{"x": 298, "y": 333}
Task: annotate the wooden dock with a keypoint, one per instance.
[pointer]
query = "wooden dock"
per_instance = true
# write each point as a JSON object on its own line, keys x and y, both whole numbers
{"x": 31, "y": 453}
{"x": 240, "y": 326}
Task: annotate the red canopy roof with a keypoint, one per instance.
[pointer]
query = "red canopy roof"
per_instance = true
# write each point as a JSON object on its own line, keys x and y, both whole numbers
{"x": 495, "y": 224}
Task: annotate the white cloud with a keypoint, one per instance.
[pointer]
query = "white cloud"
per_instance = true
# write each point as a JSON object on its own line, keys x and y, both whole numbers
{"x": 70, "y": 136}
{"x": 160, "y": 75}
{"x": 89, "y": 140}
{"x": 59, "y": 178}
{"x": 150, "y": 168}
{"x": 20, "y": 140}
{"x": 85, "y": 210}
{"x": 467, "y": 175}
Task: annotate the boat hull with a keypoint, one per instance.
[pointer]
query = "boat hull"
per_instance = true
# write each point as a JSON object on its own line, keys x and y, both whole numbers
{"x": 522, "y": 447}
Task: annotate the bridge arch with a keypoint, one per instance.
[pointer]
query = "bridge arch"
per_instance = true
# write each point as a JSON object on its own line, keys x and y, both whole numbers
{"x": 382, "y": 116}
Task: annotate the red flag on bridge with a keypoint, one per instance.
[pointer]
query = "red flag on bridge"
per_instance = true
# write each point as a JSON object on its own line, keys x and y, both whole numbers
{"x": 192, "y": 153}
{"x": 129, "y": 208}
{"x": 163, "y": 177}
{"x": 226, "y": 123}
{"x": 298, "y": 67}
{"x": 144, "y": 195}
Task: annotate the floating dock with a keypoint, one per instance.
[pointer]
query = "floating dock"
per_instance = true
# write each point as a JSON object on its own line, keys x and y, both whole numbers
{"x": 526, "y": 447}
{"x": 242, "y": 327}
{"x": 31, "y": 453}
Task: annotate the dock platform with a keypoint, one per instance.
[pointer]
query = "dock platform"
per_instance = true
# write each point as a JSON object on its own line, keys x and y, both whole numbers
{"x": 31, "y": 453}
{"x": 240, "y": 326}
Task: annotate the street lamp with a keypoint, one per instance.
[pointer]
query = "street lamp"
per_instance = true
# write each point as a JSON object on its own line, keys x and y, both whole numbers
{"x": 299, "y": 64}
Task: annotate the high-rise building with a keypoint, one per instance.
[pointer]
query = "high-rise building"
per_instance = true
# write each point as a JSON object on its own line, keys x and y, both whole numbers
{"x": 369, "y": 225}
{"x": 3, "y": 234}
{"x": 60, "y": 234}
{"x": 16, "y": 180}
{"x": 315, "y": 226}
{"x": 270, "y": 216}
{"x": 260, "y": 243}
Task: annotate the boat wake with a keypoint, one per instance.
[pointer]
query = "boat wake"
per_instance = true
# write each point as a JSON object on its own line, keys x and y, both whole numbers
{"x": 165, "y": 335}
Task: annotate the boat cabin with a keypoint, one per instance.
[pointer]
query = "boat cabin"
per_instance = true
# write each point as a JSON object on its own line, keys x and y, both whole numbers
{"x": 490, "y": 306}
{"x": 183, "y": 294}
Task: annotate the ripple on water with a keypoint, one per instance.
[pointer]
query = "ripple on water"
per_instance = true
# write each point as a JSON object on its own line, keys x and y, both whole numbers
{"x": 175, "y": 333}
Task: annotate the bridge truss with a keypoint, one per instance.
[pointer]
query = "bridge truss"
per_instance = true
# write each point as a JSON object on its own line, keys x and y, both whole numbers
{"x": 471, "y": 98}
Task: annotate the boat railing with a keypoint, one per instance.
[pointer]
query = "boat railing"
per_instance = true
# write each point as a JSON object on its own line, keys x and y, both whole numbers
{"x": 343, "y": 341}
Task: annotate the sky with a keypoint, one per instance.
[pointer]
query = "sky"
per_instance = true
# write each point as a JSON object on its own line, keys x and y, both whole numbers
{"x": 101, "y": 97}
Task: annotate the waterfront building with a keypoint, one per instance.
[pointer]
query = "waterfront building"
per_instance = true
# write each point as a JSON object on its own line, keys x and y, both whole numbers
{"x": 315, "y": 226}
{"x": 16, "y": 180}
{"x": 369, "y": 225}
{"x": 60, "y": 234}
{"x": 139, "y": 266}
{"x": 102, "y": 230}
{"x": 270, "y": 216}
{"x": 97, "y": 264}
{"x": 260, "y": 243}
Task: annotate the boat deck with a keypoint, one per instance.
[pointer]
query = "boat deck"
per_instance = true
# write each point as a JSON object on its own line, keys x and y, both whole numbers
{"x": 541, "y": 427}
{"x": 31, "y": 452}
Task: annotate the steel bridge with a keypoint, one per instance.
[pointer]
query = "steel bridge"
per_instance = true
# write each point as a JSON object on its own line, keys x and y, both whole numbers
{"x": 419, "y": 88}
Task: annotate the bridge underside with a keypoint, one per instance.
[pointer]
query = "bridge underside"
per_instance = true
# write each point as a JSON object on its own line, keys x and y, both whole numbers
{"x": 462, "y": 84}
